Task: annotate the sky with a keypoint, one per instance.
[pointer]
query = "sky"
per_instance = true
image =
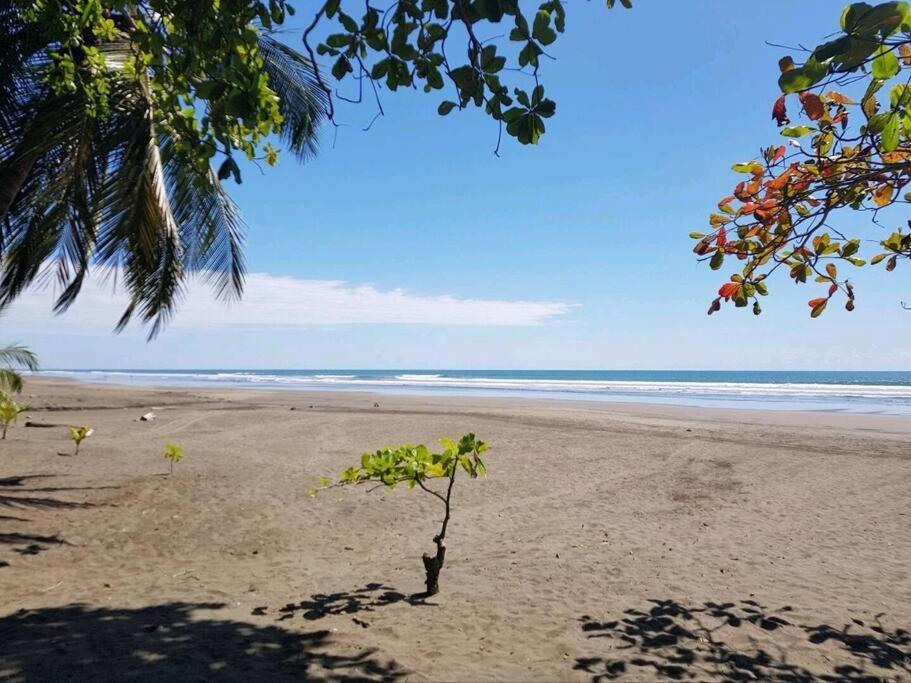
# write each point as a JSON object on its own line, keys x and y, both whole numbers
{"x": 412, "y": 246}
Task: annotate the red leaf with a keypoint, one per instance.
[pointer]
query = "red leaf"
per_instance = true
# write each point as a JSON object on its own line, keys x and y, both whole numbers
{"x": 832, "y": 289}
{"x": 813, "y": 303}
{"x": 812, "y": 105}
{"x": 780, "y": 112}
{"x": 728, "y": 290}
{"x": 721, "y": 238}
{"x": 778, "y": 154}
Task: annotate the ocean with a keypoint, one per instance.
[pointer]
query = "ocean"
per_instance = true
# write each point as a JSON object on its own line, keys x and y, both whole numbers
{"x": 883, "y": 392}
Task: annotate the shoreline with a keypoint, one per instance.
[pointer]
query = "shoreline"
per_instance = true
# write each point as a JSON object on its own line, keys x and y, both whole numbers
{"x": 876, "y": 426}
{"x": 837, "y": 405}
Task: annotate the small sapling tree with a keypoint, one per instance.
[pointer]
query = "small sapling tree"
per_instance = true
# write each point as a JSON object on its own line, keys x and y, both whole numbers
{"x": 415, "y": 466}
{"x": 79, "y": 434}
{"x": 173, "y": 453}
{"x": 9, "y": 411}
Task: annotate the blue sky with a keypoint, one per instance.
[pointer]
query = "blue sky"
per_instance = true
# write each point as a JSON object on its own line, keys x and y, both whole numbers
{"x": 412, "y": 245}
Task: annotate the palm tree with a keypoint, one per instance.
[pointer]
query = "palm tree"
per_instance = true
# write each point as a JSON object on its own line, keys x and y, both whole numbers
{"x": 79, "y": 191}
{"x": 11, "y": 358}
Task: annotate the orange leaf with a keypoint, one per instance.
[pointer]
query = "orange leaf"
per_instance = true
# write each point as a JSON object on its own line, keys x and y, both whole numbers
{"x": 749, "y": 207}
{"x": 905, "y": 51}
{"x": 834, "y": 96}
{"x": 780, "y": 181}
{"x": 831, "y": 270}
{"x": 813, "y": 303}
{"x": 882, "y": 195}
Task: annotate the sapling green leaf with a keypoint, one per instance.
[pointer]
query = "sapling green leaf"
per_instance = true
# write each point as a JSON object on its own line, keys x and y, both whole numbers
{"x": 173, "y": 453}
{"x": 79, "y": 434}
{"x": 416, "y": 466}
{"x": 9, "y": 411}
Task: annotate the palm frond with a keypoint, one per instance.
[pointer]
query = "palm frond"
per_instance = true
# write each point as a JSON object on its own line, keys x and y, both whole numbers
{"x": 52, "y": 214}
{"x": 211, "y": 227}
{"x": 18, "y": 356}
{"x": 302, "y": 101}
{"x": 10, "y": 382}
{"x": 138, "y": 232}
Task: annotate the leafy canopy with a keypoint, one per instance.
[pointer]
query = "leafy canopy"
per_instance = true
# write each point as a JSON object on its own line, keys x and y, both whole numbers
{"x": 409, "y": 44}
{"x": 200, "y": 63}
{"x": 111, "y": 115}
{"x": 845, "y": 153}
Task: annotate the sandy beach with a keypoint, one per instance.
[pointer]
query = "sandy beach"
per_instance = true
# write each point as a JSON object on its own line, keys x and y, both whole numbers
{"x": 609, "y": 541}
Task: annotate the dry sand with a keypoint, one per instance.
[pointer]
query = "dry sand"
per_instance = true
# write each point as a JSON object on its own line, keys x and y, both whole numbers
{"x": 609, "y": 541}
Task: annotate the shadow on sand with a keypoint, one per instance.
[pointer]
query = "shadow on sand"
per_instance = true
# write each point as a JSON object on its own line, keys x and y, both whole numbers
{"x": 15, "y": 493}
{"x": 717, "y": 641}
{"x": 18, "y": 493}
{"x": 167, "y": 643}
{"x": 367, "y": 599}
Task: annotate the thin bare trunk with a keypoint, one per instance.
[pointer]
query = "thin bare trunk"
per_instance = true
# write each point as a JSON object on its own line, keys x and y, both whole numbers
{"x": 433, "y": 564}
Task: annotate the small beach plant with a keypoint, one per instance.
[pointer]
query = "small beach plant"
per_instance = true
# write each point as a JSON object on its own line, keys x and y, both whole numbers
{"x": 78, "y": 435}
{"x": 9, "y": 411}
{"x": 417, "y": 466}
{"x": 173, "y": 453}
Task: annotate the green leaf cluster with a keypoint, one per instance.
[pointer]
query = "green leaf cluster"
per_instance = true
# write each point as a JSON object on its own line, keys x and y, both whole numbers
{"x": 173, "y": 453}
{"x": 414, "y": 465}
{"x": 865, "y": 42}
{"x": 9, "y": 412}
{"x": 406, "y": 46}
{"x": 79, "y": 434}
{"x": 199, "y": 63}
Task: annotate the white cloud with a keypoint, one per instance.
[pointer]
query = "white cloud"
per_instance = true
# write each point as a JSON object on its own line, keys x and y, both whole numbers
{"x": 275, "y": 302}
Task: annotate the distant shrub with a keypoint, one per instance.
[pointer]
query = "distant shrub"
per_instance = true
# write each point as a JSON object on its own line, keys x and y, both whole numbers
{"x": 9, "y": 411}
{"x": 173, "y": 454}
{"x": 79, "y": 434}
{"x": 415, "y": 466}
